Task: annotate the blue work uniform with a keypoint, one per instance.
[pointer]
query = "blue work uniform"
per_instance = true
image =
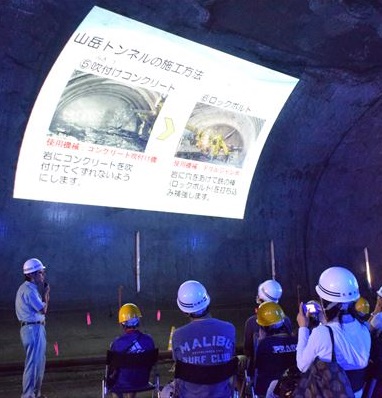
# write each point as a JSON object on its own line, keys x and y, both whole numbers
{"x": 29, "y": 307}
{"x": 132, "y": 342}
{"x": 251, "y": 334}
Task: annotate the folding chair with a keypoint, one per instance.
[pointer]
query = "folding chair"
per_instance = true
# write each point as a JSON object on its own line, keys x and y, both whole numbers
{"x": 248, "y": 387}
{"x": 369, "y": 388}
{"x": 142, "y": 360}
{"x": 208, "y": 374}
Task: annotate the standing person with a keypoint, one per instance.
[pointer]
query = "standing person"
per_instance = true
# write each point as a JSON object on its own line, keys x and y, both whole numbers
{"x": 31, "y": 308}
{"x": 205, "y": 340}
{"x": 132, "y": 340}
{"x": 338, "y": 290}
{"x": 269, "y": 290}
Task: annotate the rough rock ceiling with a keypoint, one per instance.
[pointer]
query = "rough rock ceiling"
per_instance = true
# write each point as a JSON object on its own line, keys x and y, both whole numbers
{"x": 318, "y": 186}
{"x": 340, "y": 34}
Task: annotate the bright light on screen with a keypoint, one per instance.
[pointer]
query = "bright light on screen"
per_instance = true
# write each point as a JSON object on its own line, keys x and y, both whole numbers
{"x": 133, "y": 117}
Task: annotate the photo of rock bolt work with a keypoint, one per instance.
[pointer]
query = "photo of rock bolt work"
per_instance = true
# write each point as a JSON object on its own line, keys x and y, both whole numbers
{"x": 218, "y": 136}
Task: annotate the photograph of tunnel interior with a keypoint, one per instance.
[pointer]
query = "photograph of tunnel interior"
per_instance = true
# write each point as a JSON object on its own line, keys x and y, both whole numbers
{"x": 218, "y": 136}
{"x": 103, "y": 111}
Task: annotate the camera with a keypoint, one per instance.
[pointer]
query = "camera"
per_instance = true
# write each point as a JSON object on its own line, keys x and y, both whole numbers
{"x": 310, "y": 308}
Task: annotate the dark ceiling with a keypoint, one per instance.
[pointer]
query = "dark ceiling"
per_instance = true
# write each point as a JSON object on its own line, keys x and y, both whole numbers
{"x": 314, "y": 33}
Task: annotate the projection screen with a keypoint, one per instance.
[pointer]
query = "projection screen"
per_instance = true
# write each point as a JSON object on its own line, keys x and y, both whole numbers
{"x": 134, "y": 117}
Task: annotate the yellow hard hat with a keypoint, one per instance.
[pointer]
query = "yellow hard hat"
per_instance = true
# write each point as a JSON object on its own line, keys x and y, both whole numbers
{"x": 269, "y": 314}
{"x": 129, "y": 312}
{"x": 362, "y": 306}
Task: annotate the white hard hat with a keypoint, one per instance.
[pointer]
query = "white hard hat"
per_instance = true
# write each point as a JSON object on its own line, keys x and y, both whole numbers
{"x": 270, "y": 290}
{"x": 32, "y": 265}
{"x": 192, "y": 297}
{"x": 338, "y": 285}
{"x": 379, "y": 292}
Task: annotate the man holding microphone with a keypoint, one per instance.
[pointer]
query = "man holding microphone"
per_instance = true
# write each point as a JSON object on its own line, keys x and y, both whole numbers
{"x": 31, "y": 305}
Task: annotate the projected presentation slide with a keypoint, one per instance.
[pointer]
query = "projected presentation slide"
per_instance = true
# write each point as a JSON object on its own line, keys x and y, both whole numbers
{"x": 134, "y": 117}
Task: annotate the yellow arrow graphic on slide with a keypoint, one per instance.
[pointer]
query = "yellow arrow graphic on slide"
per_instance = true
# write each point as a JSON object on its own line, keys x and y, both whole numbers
{"x": 169, "y": 129}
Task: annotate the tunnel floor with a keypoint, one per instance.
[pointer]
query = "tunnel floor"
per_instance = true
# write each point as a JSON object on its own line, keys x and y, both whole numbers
{"x": 81, "y": 382}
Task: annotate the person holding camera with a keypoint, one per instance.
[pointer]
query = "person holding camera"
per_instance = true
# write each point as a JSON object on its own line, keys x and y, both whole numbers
{"x": 31, "y": 306}
{"x": 338, "y": 291}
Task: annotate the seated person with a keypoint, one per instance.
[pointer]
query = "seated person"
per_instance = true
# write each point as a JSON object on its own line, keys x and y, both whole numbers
{"x": 362, "y": 307}
{"x": 205, "y": 341}
{"x": 376, "y": 315}
{"x": 269, "y": 290}
{"x": 374, "y": 384}
{"x": 275, "y": 349}
{"x": 132, "y": 340}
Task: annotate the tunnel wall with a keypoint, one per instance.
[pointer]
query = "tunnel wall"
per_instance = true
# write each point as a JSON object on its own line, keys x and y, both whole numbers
{"x": 306, "y": 170}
